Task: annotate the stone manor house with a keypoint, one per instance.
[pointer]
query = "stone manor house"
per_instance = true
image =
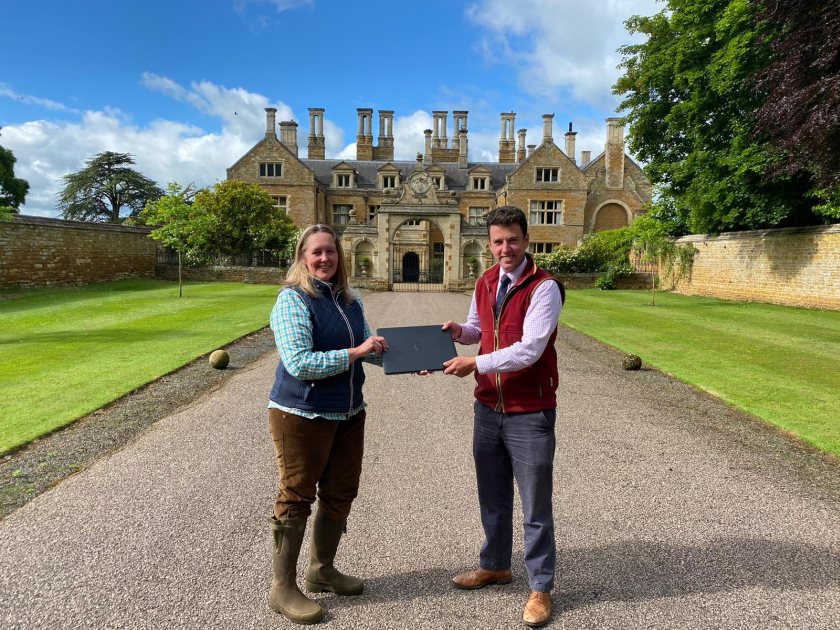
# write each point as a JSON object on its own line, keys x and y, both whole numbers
{"x": 423, "y": 222}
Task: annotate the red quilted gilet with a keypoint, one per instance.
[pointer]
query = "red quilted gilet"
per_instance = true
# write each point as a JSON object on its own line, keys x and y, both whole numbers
{"x": 533, "y": 388}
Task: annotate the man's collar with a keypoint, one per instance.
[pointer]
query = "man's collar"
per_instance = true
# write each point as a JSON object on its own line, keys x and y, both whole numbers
{"x": 516, "y": 274}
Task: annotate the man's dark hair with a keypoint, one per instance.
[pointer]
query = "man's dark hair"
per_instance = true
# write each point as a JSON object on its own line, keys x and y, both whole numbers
{"x": 506, "y": 216}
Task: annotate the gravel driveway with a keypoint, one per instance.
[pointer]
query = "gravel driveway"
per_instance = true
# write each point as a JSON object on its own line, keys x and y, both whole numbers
{"x": 672, "y": 511}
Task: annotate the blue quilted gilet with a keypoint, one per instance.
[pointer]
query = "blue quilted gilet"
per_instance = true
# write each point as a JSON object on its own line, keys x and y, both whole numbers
{"x": 336, "y": 325}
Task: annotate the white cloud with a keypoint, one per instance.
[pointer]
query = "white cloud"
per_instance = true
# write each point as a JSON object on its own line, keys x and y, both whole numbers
{"x": 7, "y": 92}
{"x": 279, "y": 5}
{"x": 408, "y": 134}
{"x": 164, "y": 150}
{"x": 559, "y": 48}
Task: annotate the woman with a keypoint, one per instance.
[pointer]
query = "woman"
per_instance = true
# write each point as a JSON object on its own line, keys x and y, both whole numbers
{"x": 316, "y": 418}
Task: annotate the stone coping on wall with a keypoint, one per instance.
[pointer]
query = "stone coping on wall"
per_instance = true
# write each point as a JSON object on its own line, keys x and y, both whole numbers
{"x": 24, "y": 219}
{"x": 770, "y": 232}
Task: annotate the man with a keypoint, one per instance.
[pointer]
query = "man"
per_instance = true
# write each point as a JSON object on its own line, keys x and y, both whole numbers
{"x": 513, "y": 315}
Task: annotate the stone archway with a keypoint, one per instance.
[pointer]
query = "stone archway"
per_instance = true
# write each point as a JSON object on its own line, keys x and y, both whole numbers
{"x": 431, "y": 233}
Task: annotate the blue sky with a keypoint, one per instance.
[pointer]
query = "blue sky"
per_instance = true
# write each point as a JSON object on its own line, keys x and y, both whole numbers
{"x": 182, "y": 84}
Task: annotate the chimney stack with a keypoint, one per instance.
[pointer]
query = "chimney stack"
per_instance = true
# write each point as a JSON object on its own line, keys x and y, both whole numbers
{"x": 507, "y": 145}
{"x": 439, "y": 130}
{"x": 427, "y": 156}
{"x": 364, "y": 139}
{"x": 462, "y": 148}
{"x": 520, "y": 152}
{"x": 288, "y": 135}
{"x": 614, "y": 154}
{"x": 459, "y": 120}
{"x": 270, "y": 117}
{"x": 585, "y": 157}
{"x": 547, "y": 121}
{"x": 570, "y": 143}
{"x": 315, "y": 141}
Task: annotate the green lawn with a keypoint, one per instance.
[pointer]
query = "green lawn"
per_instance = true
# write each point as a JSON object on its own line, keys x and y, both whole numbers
{"x": 777, "y": 363}
{"x": 68, "y": 351}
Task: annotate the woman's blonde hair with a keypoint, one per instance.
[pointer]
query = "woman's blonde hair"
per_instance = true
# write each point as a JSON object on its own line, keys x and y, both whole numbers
{"x": 299, "y": 276}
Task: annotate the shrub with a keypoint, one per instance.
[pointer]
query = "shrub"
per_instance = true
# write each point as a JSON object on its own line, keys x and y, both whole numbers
{"x": 614, "y": 271}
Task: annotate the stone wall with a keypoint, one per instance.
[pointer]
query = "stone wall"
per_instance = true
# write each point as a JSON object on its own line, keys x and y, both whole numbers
{"x": 792, "y": 266}
{"x": 36, "y": 251}
{"x": 248, "y": 275}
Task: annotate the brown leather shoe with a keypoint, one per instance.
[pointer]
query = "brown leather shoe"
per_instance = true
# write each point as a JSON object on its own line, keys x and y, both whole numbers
{"x": 538, "y": 609}
{"x": 472, "y": 580}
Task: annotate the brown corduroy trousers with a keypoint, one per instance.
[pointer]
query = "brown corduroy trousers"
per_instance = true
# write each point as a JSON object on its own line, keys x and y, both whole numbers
{"x": 316, "y": 456}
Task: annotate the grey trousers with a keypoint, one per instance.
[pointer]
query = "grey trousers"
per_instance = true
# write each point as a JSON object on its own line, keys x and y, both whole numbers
{"x": 520, "y": 447}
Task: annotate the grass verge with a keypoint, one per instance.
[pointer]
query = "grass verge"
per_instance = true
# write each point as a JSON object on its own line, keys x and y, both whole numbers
{"x": 774, "y": 362}
{"x": 68, "y": 351}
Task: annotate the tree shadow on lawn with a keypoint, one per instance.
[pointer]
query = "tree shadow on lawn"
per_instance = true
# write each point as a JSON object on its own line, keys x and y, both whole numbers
{"x": 111, "y": 336}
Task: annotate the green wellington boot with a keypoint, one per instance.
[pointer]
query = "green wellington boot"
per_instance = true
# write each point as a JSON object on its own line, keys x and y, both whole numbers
{"x": 285, "y": 596}
{"x": 321, "y": 574}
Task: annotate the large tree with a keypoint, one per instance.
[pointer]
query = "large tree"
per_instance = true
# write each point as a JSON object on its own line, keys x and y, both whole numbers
{"x": 12, "y": 189}
{"x": 243, "y": 219}
{"x": 690, "y": 101}
{"x": 104, "y": 188}
{"x": 801, "y": 112}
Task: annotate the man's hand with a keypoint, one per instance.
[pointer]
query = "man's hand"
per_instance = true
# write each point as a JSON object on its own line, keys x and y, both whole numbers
{"x": 454, "y": 329}
{"x": 459, "y": 366}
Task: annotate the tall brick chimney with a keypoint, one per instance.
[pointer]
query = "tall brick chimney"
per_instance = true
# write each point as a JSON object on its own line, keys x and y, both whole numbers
{"x": 520, "y": 152}
{"x": 288, "y": 135}
{"x": 547, "y": 122}
{"x": 364, "y": 139}
{"x": 570, "y": 143}
{"x": 270, "y": 118}
{"x": 614, "y": 154}
{"x": 462, "y": 147}
{"x": 316, "y": 145}
{"x": 385, "y": 145}
{"x": 507, "y": 145}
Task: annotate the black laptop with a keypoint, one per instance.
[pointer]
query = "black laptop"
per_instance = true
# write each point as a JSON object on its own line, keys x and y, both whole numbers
{"x": 416, "y": 348}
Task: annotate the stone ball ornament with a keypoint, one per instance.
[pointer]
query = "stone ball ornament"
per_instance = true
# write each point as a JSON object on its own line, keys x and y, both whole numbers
{"x": 219, "y": 359}
{"x": 631, "y": 362}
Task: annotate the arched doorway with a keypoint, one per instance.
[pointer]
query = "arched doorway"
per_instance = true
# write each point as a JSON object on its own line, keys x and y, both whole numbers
{"x": 410, "y": 267}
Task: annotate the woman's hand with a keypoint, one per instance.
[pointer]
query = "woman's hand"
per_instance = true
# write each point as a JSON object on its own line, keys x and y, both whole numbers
{"x": 372, "y": 345}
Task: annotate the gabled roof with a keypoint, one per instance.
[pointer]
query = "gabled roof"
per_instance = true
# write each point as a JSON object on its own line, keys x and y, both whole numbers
{"x": 262, "y": 141}
{"x": 539, "y": 150}
{"x": 367, "y": 170}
